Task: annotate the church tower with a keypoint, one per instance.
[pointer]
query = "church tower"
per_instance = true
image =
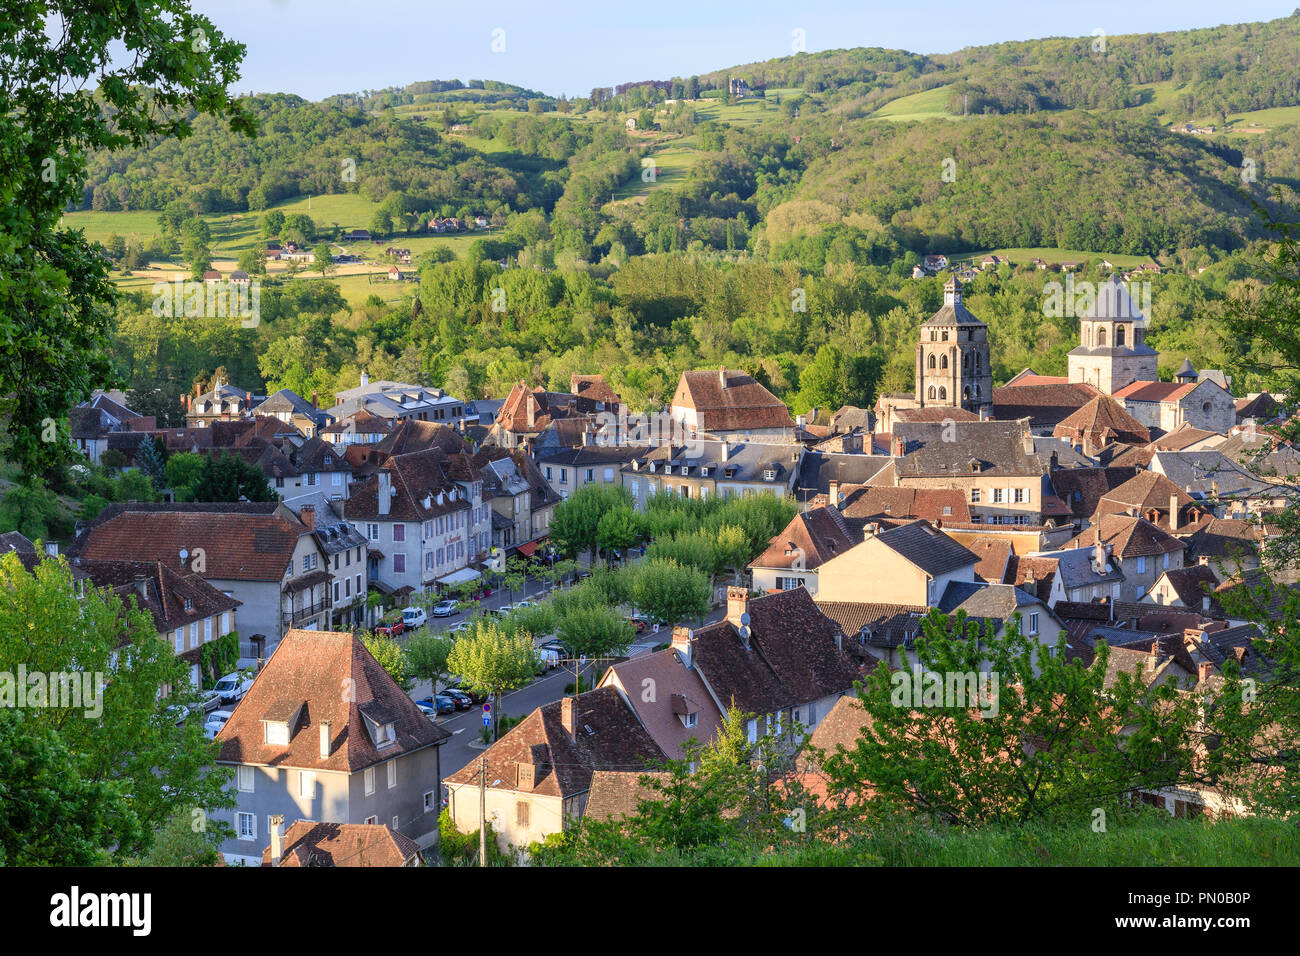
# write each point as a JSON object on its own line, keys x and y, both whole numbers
{"x": 1112, "y": 350}
{"x": 952, "y": 359}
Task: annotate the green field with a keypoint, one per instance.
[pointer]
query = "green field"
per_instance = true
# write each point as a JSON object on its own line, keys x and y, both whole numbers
{"x": 926, "y": 105}
{"x": 1050, "y": 254}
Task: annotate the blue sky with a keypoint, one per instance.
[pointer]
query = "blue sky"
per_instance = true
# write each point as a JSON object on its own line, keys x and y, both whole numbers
{"x": 318, "y": 47}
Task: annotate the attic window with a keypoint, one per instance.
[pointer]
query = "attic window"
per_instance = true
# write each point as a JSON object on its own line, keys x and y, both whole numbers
{"x": 974, "y": 466}
{"x": 769, "y": 474}
{"x": 276, "y": 732}
{"x": 587, "y": 728}
{"x": 704, "y": 471}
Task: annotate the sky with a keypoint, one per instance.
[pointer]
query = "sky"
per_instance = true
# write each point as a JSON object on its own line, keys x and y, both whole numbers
{"x": 316, "y": 48}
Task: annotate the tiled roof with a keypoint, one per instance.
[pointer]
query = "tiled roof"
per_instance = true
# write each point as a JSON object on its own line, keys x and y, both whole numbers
{"x": 889, "y": 624}
{"x": 929, "y": 549}
{"x": 1154, "y": 391}
{"x": 1102, "y": 420}
{"x": 936, "y": 505}
{"x": 417, "y": 481}
{"x": 167, "y": 590}
{"x": 307, "y": 843}
{"x": 994, "y": 556}
{"x": 237, "y": 545}
{"x": 595, "y": 388}
{"x": 934, "y": 414}
{"x": 1129, "y": 537}
{"x": 742, "y": 404}
{"x": 1145, "y": 491}
{"x": 1184, "y": 436}
{"x": 792, "y": 659}
{"x": 1082, "y": 488}
{"x": 1192, "y": 583}
{"x": 1208, "y": 471}
{"x": 309, "y": 668}
{"x": 1043, "y": 404}
{"x": 1021, "y": 568}
{"x": 412, "y": 436}
{"x": 616, "y": 794}
{"x": 565, "y": 764}
{"x": 811, "y": 537}
{"x": 1224, "y": 538}
{"x": 285, "y": 401}
{"x": 674, "y": 682}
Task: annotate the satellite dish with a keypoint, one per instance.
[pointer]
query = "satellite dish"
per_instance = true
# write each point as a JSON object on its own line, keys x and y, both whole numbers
{"x": 744, "y": 633}
{"x": 184, "y": 554}
{"x": 744, "y": 619}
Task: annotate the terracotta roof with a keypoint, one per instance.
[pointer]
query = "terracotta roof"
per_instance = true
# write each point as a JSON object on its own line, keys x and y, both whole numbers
{"x": 1102, "y": 420}
{"x": 936, "y": 505}
{"x": 564, "y": 764}
{"x": 1224, "y": 538}
{"x": 1082, "y": 488}
{"x": 792, "y": 659}
{"x": 308, "y": 668}
{"x": 237, "y": 546}
{"x": 416, "y": 479}
{"x": 1043, "y": 570}
{"x": 994, "y": 556}
{"x": 1044, "y": 404}
{"x": 673, "y": 682}
{"x": 412, "y": 436}
{"x": 307, "y": 843}
{"x": 1192, "y": 583}
{"x": 1182, "y": 437}
{"x": 1154, "y": 391}
{"x": 1146, "y": 491}
{"x": 811, "y": 537}
{"x": 1028, "y": 377}
{"x": 1130, "y": 537}
{"x": 743, "y": 403}
{"x": 595, "y": 388}
{"x": 167, "y": 591}
{"x": 878, "y": 625}
{"x": 616, "y": 794}
{"x": 360, "y": 421}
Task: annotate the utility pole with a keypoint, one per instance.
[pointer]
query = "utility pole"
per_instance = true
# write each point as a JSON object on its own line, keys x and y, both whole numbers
{"x": 482, "y": 810}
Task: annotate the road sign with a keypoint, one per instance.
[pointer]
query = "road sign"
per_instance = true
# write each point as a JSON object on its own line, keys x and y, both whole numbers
{"x": 487, "y": 708}
{"x": 486, "y": 720}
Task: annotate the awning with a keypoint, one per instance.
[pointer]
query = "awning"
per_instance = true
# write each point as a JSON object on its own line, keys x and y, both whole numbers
{"x": 527, "y": 548}
{"x": 459, "y": 577}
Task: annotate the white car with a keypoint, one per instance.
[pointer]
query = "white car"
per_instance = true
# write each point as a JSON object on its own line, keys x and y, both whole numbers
{"x": 212, "y": 726}
{"x": 233, "y": 687}
{"x": 523, "y": 604}
{"x": 414, "y": 617}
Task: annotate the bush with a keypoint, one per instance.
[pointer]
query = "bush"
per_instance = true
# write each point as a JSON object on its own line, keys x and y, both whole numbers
{"x": 461, "y": 849}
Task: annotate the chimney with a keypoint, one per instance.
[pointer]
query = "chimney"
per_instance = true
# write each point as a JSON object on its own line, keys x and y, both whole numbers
{"x": 684, "y": 645}
{"x": 984, "y": 413}
{"x": 1099, "y": 557}
{"x": 899, "y": 446}
{"x": 722, "y": 377}
{"x": 738, "y": 605}
{"x": 315, "y": 399}
{"x": 569, "y": 716}
{"x": 530, "y": 405}
{"x": 587, "y": 436}
{"x": 869, "y": 531}
{"x": 365, "y": 379}
{"x": 1205, "y": 604}
{"x": 308, "y": 516}
{"x": 1173, "y": 511}
{"x": 1214, "y": 487}
{"x": 1204, "y": 669}
{"x": 277, "y": 838}
{"x": 724, "y": 451}
{"x": 52, "y": 548}
{"x": 385, "y": 490}
{"x": 326, "y": 739}
{"x": 142, "y": 586}
{"x": 835, "y": 492}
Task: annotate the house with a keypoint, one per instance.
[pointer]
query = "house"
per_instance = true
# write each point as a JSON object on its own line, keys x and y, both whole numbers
{"x": 992, "y": 262}
{"x": 345, "y": 549}
{"x": 722, "y": 403}
{"x": 1190, "y": 587}
{"x": 292, "y": 409}
{"x": 1073, "y": 574}
{"x": 261, "y": 555}
{"x": 670, "y": 698}
{"x": 1100, "y": 422}
{"x": 400, "y": 401}
{"x": 889, "y": 506}
{"x": 1170, "y": 405}
{"x": 819, "y": 470}
{"x": 359, "y": 428}
{"x": 911, "y": 564}
{"x": 1141, "y": 549}
{"x": 403, "y": 256}
{"x": 526, "y": 413}
{"x": 618, "y": 794}
{"x": 100, "y": 424}
{"x": 187, "y": 611}
{"x": 594, "y": 388}
{"x": 301, "y": 747}
{"x": 1226, "y": 487}
{"x": 703, "y": 469}
{"x": 934, "y": 263}
{"x": 1228, "y": 545}
{"x": 223, "y": 402}
{"x": 794, "y": 555}
{"x": 537, "y": 777}
{"x": 568, "y": 469}
{"x": 394, "y": 274}
{"x": 308, "y": 843}
{"x": 522, "y": 500}
{"x": 630, "y": 123}
{"x": 356, "y": 235}
{"x": 425, "y": 518}
{"x": 1154, "y": 497}
{"x": 211, "y": 276}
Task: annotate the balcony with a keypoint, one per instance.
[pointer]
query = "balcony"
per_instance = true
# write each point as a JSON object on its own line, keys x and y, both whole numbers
{"x": 305, "y": 613}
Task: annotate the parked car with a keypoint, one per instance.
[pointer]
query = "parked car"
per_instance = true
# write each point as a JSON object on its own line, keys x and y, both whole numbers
{"x": 444, "y": 609}
{"x": 463, "y": 700}
{"x": 391, "y": 628}
{"x": 233, "y": 687}
{"x": 427, "y": 709}
{"x": 558, "y": 648}
{"x": 638, "y": 625}
{"x": 414, "y": 617}
{"x": 550, "y": 656}
{"x": 458, "y": 628}
{"x": 212, "y": 726}
{"x": 519, "y": 605}
{"x": 439, "y": 702}
{"x": 475, "y": 697}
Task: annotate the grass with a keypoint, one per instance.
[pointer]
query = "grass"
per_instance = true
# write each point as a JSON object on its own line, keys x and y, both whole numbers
{"x": 926, "y": 105}
{"x": 1050, "y": 254}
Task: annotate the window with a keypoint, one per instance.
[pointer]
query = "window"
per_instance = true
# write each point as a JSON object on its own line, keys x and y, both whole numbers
{"x": 245, "y": 778}
{"x": 246, "y": 823}
{"x": 997, "y": 496}
{"x": 336, "y": 479}
{"x": 372, "y": 819}
{"x": 564, "y": 476}
{"x": 392, "y": 774}
{"x": 194, "y": 634}
{"x": 931, "y": 362}
{"x": 548, "y": 472}
{"x": 1018, "y": 494}
{"x": 370, "y": 780}
{"x": 372, "y": 532}
{"x": 395, "y": 822}
{"x": 336, "y": 592}
{"x": 1165, "y": 562}
{"x": 225, "y": 622}
{"x": 1142, "y": 564}
{"x": 1101, "y": 336}
{"x": 943, "y": 362}
{"x": 521, "y": 813}
{"x": 591, "y": 474}
{"x": 609, "y": 474}
{"x": 180, "y": 639}
{"x": 752, "y": 731}
{"x": 207, "y": 621}
{"x": 690, "y": 720}
{"x": 943, "y": 393}
{"x": 429, "y": 803}
{"x": 308, "y": 562}
{"x": 930, "y": 393}
{"x": 276, "y": 732}
{"x": 399, "y": 532}
{"x": 399, "y": 563}
{"x": 307, "y": 784}
{"x": 1119, "y": 335}
{"x": 1033, "y": 623}
{"x": 974, "y": 496}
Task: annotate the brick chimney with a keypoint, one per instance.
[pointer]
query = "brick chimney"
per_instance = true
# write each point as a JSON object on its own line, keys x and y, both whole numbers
{"x": 530, "y": 407}
{"x": 684, "y": 645}
{"x": 315, "y": 399}
{"x": 326, "y": 739}
{"x": 737, "y": 605}
{"x": 277, "y": 838}
{"x": 569, "y": 716}
{"x": 142, "y": 586}
{"x": 899, "y": 446}
{"x": 1173, "y": 511}
{"x": 835, "y": 492}
{"x": 385, "y": 486}
{"x": 1204, "y": 669}
{"x": 308, "y": 516}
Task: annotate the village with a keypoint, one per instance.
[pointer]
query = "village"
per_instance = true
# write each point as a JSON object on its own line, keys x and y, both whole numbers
{"x": 1101, "y": 506}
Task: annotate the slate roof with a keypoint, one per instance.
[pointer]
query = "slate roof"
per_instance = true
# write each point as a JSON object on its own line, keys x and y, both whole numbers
{"x": 742, "y": 404}
{"x": 308, "y": 843}
{"x": 996, "y": 602}
{"x": 927, "y": 548}
{"x": 1192, "y": 583}
{"x": 286, "y": 401}
{"x": 952, "y": 313}
{"x": 1044, "y": 405}
{"x": 359, "y": 422}
{"x": 939, "y": 450}
{"x": 746, "y": 461}
{"x": 565, "y": 764}
{"x": 817, "y": 469}
{"x": 1203, "y": 470}
{"x": 1184, "y": 436}
{"x": 1224, "y": 538}
{"x": 792, "y": 660}
{"x": 593, "y": 455}
{"x": 166, "y": 591}
{"x": 1082, "y": 488}
{"x": 309, "y": 667}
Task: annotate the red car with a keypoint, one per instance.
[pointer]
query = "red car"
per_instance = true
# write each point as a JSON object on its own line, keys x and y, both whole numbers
{"x": 637, "y": 624}
{"x": 391, "y": 630}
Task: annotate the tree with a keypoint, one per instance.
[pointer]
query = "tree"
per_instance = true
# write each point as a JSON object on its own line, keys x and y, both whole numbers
{"x": 151, "y": 459}
{"x": 54, "y": 288}
{"x": 595, "y": 632}
{"x": 231, "y": 478}
{"x": 183, "y": 472}
{"x": 298, "y": 229}
{"x": 426, "y": 657}
{"x": 1036, "y": 736}
{"x": 272, "y": 223}
{"x": 253, "y": 260}
{"x": 390, "y": 656}
{"x": 669, "y": 592}
{"x": 575, "y": 522}
{"x": 119, "y": 737}
{"x": 324, "y": 258}
{"x": 494, "y": 662}
{"x": 619, "y": 529}
{"x": 30, "y": 508}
